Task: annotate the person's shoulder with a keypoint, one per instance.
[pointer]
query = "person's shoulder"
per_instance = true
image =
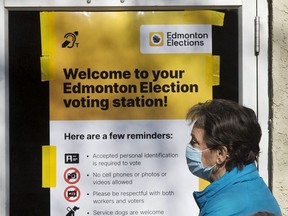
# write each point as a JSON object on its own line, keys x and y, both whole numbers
{"x": 225, "y": 206}
{"x": 252, "y": 197}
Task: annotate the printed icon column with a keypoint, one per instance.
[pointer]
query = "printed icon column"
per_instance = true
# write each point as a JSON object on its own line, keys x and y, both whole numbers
{"x": 72, "y": 176}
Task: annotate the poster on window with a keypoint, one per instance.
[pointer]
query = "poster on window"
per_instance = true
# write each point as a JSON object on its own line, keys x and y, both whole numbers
{"x": 121, "y": 84}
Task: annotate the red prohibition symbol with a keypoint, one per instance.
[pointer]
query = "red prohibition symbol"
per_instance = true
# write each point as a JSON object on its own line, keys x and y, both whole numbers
{"x": 72, "y": 193}
{"x": 72, "y": 175}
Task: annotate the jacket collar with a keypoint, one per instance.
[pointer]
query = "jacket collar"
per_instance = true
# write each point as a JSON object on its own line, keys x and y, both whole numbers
{"x": 234, "y": 176}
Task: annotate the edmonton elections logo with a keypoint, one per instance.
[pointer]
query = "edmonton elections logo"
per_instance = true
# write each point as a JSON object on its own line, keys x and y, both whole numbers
{"x": 156, "y": 38}
{"x": 182, "y": 38}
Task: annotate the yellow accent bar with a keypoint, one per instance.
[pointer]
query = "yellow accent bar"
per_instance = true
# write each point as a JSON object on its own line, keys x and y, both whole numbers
{"x": 216, "y": 71}
{"x": 48, "y": 45}
{"x": 48, "y": 166}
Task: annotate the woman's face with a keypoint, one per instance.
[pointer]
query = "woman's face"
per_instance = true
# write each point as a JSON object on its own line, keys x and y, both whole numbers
{"x": 197, "y": 141}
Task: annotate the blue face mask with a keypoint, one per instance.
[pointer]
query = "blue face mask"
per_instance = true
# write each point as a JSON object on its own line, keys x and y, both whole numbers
{"x": 194, "y": 162}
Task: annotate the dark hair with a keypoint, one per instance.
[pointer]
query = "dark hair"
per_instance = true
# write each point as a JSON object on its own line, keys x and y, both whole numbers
{"x": 226, "y": 123}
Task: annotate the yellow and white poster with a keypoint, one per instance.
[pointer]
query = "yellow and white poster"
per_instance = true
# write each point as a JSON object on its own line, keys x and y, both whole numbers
{"x": 120, "y": 86}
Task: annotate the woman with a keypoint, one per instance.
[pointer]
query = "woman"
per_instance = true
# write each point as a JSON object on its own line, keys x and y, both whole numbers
{"x": 223, "y": 150}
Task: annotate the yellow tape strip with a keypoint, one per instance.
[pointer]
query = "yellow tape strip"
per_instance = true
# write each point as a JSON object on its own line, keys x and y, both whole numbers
{"x": 206, "y": 17}
{"x": 46, "y": 71}
{"x": 216, "y": 71}
{"x": 48, "y": 166}
{"x": 217, "y": 18}
{"x": 48, "y": 45}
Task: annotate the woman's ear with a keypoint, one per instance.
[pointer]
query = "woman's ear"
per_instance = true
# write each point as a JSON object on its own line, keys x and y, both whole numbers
{"x": 222, "y": 155}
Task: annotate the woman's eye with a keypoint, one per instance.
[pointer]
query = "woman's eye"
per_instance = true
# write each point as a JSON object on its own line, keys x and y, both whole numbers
{"x": 193, "y": 141}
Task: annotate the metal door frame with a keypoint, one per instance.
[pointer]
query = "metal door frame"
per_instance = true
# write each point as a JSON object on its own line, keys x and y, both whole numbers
{"x": 253, "y": 65}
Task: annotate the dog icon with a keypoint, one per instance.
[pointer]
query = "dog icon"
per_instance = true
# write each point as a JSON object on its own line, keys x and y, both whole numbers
{"x": 71, "y": 212}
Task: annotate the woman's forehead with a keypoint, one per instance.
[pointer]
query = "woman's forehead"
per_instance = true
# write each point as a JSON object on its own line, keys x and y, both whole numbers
{"x": 197, "y": 131}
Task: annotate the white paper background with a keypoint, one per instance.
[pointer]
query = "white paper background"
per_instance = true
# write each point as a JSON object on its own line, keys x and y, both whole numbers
{"x": 178, "y": 182}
